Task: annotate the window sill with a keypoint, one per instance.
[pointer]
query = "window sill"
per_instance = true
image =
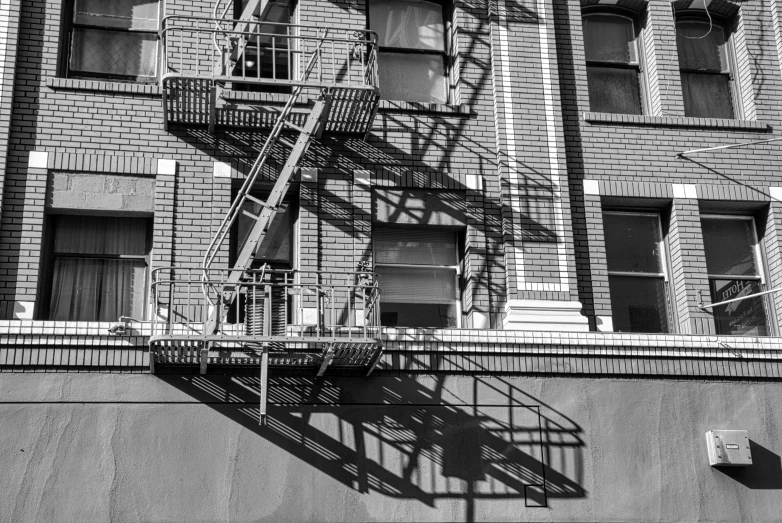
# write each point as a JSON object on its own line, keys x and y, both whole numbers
{"x": 675, "y": 121}
{"x": 392, "y": 106}
{"x": 73, "y": 84}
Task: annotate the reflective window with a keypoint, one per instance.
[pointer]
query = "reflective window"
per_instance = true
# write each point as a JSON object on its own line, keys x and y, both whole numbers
{"x": 705, "y": 69}
{"x": 114, "y": 39}
{"x": 419, "y": 277}
{"x": 636, "y": 272}
{"x": 613, "y": 69}
{"x": 412, "y": 57}
{"x": 734, "y": 272}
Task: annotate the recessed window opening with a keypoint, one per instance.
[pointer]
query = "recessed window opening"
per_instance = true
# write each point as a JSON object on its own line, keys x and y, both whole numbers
{"x": 98, "y": 268}
{"x": 113, "y": 39}
{"x": 267, "y": 57}
{"x": 412, "y": 59}
{"x": 637, "y": 272}
{"x": 612, "y": 63}
{"x": 734, "y": 267}
{"x": 705, "y": 64}
{"x": 419, "y": 277}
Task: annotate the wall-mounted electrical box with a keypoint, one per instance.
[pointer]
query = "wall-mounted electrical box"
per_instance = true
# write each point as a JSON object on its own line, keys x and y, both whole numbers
{"x": 728, "y": 448}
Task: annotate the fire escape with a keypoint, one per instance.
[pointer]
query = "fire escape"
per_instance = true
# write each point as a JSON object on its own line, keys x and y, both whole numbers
{"x": 216, "y": 319}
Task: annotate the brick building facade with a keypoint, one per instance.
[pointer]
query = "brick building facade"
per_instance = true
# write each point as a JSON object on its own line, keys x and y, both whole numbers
{"x": 568, "y": 235}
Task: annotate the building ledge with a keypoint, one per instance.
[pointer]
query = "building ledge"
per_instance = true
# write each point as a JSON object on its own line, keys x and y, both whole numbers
{"x": 676, "y": 121}
{"x": 72, "y": 84}
{"x": 393, "y": 106}
{"x": 80, "y": 346}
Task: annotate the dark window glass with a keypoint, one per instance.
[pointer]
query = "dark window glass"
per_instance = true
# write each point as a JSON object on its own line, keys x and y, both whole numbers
{"x": 116, "y": 39}
{"x": 276, "y": 249}
{"x": 98, "y": 268}
{"x": 638, "y": 304}
{"x": 635, "y": 272}
{"x": 612, "y": 64}
{"x": 729, "y": 245}
{"x": 705, "y": 71}
{"x": 412, "y": 56}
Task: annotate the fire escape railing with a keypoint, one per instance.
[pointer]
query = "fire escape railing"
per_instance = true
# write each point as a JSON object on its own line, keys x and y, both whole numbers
{"x": 197, "y": 47}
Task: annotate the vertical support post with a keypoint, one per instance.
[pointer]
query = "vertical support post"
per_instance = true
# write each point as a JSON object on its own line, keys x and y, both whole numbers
{"x": 213, "y": 94}
{"x": 267, "y": 330}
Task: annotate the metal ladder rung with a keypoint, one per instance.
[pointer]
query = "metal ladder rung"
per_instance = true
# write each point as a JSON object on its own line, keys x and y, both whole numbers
{"x": 286, "y": 142}
{"x": 291, "y": 125}
{"x": 260, "y": 202}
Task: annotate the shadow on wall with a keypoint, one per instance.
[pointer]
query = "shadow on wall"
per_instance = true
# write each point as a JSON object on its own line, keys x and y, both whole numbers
{"x": 765, "y": 473}
{"x": 404, "y": 439}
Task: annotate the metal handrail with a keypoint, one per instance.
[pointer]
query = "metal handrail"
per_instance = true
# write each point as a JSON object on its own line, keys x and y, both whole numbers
{"x": 363, "y": 39}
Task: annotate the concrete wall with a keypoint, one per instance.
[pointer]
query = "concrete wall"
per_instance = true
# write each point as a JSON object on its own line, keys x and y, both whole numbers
{"x": 100, "y": 447}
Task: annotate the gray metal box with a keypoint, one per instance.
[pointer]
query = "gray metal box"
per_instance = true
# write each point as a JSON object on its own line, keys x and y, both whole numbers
{"x": 728, "y": 448}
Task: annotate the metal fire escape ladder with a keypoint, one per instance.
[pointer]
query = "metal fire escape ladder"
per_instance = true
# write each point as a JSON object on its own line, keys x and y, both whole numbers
{"x": 298, "y": 148}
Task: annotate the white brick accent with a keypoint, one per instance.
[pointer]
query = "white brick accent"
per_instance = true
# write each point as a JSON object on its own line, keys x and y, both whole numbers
{"x": 38, "y": 160}
{"x": 776, "y": 193}
{"x": 23, "y": 310}
{"x": 685, "y": 190}
{"x": 360, "y": 176}
{"x": 222, "y": 170}
{"x": 166, "y": 166}
{"x": 592, "y": 187}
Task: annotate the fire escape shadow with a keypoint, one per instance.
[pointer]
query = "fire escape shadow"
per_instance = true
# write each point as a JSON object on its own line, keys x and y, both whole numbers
{"x": 399, "y": 438}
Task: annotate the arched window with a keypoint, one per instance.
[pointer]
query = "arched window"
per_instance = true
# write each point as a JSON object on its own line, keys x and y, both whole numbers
{"x": 704, "y": 62}
{"x": 613, "y": 67}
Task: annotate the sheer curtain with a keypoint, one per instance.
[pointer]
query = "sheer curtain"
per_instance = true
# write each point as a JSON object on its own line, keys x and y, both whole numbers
{"x": 98, "y": 287}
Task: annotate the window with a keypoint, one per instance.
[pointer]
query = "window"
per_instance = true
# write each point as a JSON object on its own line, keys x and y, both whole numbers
{"x": 733, "y": 264}
{"x": 613, "y": 67}
{"x": 419, "y": 277}
{"x": 258, "y": 61}
{"x": 113, "y": 39}
{"x": 98, "y": 268}
{"x": 412, "y": 56}
{"x": 276, "y": 249}
{"x": 637, "y": 275}
{"x": 705, "y": 70}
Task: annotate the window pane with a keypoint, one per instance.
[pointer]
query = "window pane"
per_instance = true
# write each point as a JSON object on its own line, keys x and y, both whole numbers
{"x": 277, "y": 245}
{"x": 746, "y": 317}
{"x": 114, "y": 52}
{"x": 85, "y": 289}
{"x": 699, "y": 48}
{"x": 104, "y": 235}
{"x": 414, "y": 247}
{"x": 125, "y": 14}
{"x": 421, "y": 315}
{"x": 408, "y": 24}
{"x": 638, "y": 304}
{"x": 707, "y": 95}
{"x": 614, "y": 90}
{"x": 412, "y": 77}
{"x": 412, "y": 285}
{"x": 632, "y": 243}
{"x": 609, "y": 39}
{"x": 729, "y": 247}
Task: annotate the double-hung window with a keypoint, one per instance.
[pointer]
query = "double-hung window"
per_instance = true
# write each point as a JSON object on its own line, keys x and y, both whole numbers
{"x": 704, "y": 63}
{"x": 613, "y": 67}
{"x": 412, "y": 59}
{"x": 113, "y": 39}
{"x": 98, "y": 268}
{"x": 637, "y": 275}
{"x": 419, "y": 277}
{"x": 734, "y": 268}
{"x": 268, "y": 51}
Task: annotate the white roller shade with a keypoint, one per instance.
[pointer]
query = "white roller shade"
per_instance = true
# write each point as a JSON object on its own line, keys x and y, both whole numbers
{"x": 413, "y": 285}
{"x": 402, "y": 246}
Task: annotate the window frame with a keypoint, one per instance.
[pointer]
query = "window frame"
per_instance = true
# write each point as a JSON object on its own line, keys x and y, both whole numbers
{"x": 730, "y": 58}
{"x": 49, "y": 256}
{"x": 447, "y": 10}
{"x": 457, "y": 268}
{"x": 639, "y": 66}
{"x": 664, "y": 261}
{"x": 759, "y": 277}
{"x": 65, "y": 55}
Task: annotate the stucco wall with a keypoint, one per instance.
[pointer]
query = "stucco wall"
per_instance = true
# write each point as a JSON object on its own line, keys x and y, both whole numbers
{"x": 100, "y": 447}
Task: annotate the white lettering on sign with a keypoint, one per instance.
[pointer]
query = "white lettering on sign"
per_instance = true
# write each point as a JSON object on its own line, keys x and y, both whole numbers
{"x": 731, "y": 446}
